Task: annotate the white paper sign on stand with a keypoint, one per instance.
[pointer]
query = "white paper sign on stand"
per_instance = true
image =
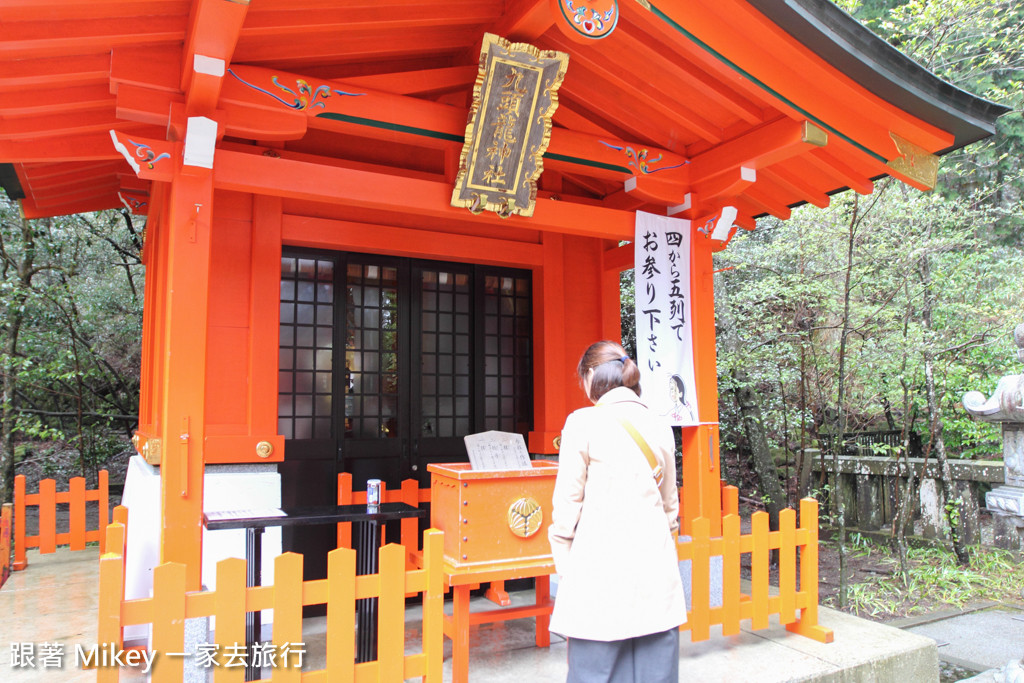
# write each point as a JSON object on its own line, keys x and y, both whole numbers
{"x": 497, "y": 451}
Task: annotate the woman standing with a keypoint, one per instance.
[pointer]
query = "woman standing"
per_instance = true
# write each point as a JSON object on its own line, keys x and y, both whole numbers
{"x": 615, "y": 512}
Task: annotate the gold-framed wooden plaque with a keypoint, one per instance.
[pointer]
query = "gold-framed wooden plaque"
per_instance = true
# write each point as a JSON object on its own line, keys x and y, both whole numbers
{"x": 509, "y": 127}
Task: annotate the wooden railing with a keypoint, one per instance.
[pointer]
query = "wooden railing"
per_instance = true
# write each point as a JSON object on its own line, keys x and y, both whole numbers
{"x": 171, "y": 605}
{"x": 47, "y": 500}
{"x": 758, "y": 605}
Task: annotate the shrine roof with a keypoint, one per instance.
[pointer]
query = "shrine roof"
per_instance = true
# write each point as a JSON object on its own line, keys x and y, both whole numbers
{"x": 854, "y": 49}
{"x": 685, "y": 106}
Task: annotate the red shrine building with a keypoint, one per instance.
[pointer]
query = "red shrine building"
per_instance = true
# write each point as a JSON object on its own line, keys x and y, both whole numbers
{"x": 330, "y": 288}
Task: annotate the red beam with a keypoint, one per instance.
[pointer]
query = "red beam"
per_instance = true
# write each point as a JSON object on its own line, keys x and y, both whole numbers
{"x": 298, "y": 24}
{"x": 35, "y": 39}
{"x": 104, "y": 187}
{"x": 844, "y": 176}
{"x": 62, "y": 10}
{"x": 304, "y": 231}
{"x": 419, "y": 82}
{"x": 659, "y": 57}
{"x": 761, "y": 197}
{"x": 351, "y": 45}
{"x": 43, "y": 173}
{"x": 213, "y": 30}
{"x": 70, "y": 123}
{"x": 78, "y": 70}
{"x": 795, "y": 184}
{"x": 759, "y": 148}
{"x": 77, "y": 98}
{"x": 390, "y": 194}
{"x": 90, "y": 147}
{"x": 30, "y": 210}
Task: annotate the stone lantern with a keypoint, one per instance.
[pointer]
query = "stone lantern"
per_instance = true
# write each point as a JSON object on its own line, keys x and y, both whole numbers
{"x": 1006, "y": 502}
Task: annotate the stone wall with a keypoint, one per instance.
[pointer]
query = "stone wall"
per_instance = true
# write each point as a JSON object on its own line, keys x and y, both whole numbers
{"x": 869, "y": 488}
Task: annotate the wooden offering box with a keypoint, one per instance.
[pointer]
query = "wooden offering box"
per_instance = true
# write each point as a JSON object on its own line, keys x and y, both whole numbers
{"x": 492, "y": 517}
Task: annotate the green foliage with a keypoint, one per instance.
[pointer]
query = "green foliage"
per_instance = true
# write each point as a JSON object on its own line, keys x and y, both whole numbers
{"x": 779, "y": 312}
{"x": 628, "y": 310}
{"x": 70, "y": 296}
{"x": 934, "y": 578}
{"x": 780, "y": 301}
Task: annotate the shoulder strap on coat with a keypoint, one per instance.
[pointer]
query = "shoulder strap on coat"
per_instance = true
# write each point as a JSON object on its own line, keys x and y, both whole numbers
{"x": 646, "y": 449}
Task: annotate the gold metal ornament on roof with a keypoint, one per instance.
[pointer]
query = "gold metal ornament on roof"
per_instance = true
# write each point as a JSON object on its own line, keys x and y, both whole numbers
{"x": 525, "y": 517}
{"x": 509, "y": 127}
{"x": 915, "y": 162}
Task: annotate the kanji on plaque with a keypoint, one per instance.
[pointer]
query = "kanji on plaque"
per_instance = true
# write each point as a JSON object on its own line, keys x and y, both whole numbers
{"x": 509, "y": 127}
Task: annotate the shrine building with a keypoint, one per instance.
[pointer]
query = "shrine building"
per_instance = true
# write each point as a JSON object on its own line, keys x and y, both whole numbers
{"x": 349, "y": 262}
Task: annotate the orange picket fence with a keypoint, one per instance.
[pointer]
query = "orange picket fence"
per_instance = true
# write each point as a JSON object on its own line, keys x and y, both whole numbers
{"x": 47, "y": 500}
{"x": 798, "y": 572}
{"x": 171, "y": 605}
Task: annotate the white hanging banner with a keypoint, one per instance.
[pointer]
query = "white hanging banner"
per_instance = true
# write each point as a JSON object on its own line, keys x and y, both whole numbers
{"x": 664, "y": 329}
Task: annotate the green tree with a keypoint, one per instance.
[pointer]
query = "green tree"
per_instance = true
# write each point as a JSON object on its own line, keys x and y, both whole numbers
{"x": 70, "y": 291}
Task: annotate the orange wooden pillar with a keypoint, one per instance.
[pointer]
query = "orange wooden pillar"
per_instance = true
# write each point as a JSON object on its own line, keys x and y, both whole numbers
{"x": 551, "y": 358}
{"x": 702, "y": 493}
{"x": 181, "y": 424}
{"x": 613, "y": 262}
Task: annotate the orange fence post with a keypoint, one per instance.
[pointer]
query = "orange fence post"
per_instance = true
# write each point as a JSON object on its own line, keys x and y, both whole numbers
{"x": 47, "y": 516}
{"x": 730, "y": 575}
{"x": 6, "y": 521}
{"x": 20, "y": 561}
{"x": 116, "y": 534}
{"x": 287, "y": 611}
{"x": 410, "y": 495}
{"x": 808, "y": 622}
{"x": 391, "y": 613}
{"x": 168, "y": 621}
{"x": 730, "y": 500}
{"x": 759, "y": 570}
{"x": 341, "y": 605}
{"x": 787, "y": 565}
{"x": 345, "y": 498}
{"x": 104, "y": 505}
{"x": 111, "y": 595}
{"x": 700, "y": 593}
{"x": 433, "y": 604}
{"x": 229, "y": 609}
{"x": 76, "y": 513}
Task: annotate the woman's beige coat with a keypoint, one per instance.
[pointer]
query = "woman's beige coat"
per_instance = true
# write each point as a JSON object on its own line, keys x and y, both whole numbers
{"x": 612, "y": 526}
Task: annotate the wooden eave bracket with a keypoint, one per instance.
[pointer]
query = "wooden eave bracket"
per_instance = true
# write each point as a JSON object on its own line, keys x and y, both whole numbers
{"x": 204, "y": 89}
{"x": 759, "y": 148}
{"x": 725, "y": 171}
{"x": 213, "y": 31}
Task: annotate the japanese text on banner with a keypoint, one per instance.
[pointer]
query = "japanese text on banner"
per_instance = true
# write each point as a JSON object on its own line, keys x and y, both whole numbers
{"x": 664, "y": 331}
